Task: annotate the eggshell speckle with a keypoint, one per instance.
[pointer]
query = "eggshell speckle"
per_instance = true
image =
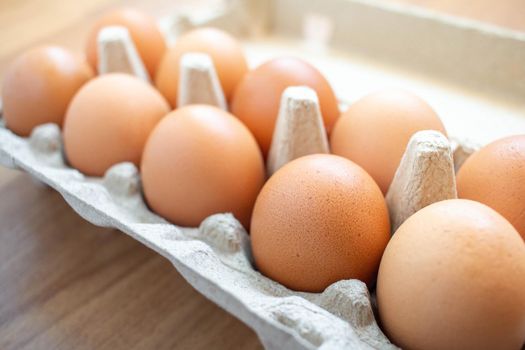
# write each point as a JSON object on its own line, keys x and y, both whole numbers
{"x": 319, "y": 219}
{"x": 375, "y": 131}
{"x": 39, "y": 85}
{"x": 495, "y": 176}
{"x": 199, "y": 161}
{"x": 109, "y": 121}
{"x": 225, "y": 51}
{"x": 143, "y": 30}
{"x": 257, "y": 97}
{"x": 452, "y": 277}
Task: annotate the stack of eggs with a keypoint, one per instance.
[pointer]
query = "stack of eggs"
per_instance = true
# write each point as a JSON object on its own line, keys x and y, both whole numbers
{"x": 451, "y": 276}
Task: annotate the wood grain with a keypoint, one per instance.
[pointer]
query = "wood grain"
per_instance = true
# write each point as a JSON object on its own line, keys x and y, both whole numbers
{"x": 66, "y": 284}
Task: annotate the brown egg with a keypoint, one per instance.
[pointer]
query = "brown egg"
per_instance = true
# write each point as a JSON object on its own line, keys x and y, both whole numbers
{"x": 319, "y": 219}
{"x": 375, "y": 131}
{"x": 452, "y": 277}
{"x": 199, "y": 161}
{"x": 144, "y": 32}
{"x": 257, "y": 97}
{"x": 109, "y": 120}
{"x": 495, "y": 176}
{"x": 39, "y": 85}
{"x": 224, "y": 50}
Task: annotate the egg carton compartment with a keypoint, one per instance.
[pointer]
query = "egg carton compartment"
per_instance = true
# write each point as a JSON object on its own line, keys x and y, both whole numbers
{"x": 359, "y": 46}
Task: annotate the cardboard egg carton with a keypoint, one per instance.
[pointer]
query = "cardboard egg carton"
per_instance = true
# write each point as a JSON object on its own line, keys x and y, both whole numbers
{"x": 215, "y": 257}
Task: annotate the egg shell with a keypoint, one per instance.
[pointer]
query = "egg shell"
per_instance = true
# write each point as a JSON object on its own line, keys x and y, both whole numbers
{"x": 452, "y": 277}
{"x": 375, "y": 131}
{"x": 109, "y": 120}
{"x": 144, "y": 32}
{"x": 199, "y": 161}
{"x": 39, "y": 85}
{"x": 257, "y": 97}
{"x": 495, "y": 176}
{"x": 319, "y": 219}
{"x": 225, "y": 51}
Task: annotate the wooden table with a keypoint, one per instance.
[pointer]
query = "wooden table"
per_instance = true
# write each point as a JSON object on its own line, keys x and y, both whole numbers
{"x": 65, "y": 283}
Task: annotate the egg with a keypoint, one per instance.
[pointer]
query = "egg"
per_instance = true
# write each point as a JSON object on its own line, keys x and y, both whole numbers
{"x": 257, "y": 97}
{"x": 375, "y": 131}
{"x": 199, "y": 161}
{"x": 495, "y": 176}
{"x": 225, "y": 51}
{"x": 452, "y": 277}
{"x": 109, "y": 120}
{"x": 319, "y": 219}
{"x": 143, "y": 30}
{"x": 39, "y": 85}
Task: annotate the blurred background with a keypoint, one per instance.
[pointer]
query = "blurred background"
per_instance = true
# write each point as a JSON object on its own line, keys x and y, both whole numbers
{"x": 24, "y": 23}
{"x": 504, "y": 13}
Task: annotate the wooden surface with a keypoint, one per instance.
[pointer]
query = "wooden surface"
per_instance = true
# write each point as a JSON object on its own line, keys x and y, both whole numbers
{"x": 66, "y": 284}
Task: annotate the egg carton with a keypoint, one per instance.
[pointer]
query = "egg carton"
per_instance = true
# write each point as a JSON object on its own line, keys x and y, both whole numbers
{"x": 215, "y": 258}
